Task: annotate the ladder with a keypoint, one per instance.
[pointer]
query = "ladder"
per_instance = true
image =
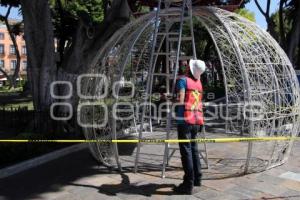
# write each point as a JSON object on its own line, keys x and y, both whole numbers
{"x": 162, "y": 32}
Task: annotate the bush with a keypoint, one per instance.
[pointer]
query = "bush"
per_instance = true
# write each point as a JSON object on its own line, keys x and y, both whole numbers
{"x": 12, "y": 153}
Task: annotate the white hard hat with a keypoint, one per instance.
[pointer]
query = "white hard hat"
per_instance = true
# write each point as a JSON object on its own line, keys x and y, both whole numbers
{"x": 197, "y": 68}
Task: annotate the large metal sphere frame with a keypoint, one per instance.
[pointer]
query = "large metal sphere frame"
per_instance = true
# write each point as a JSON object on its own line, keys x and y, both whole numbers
{"x": 255, "y": 71}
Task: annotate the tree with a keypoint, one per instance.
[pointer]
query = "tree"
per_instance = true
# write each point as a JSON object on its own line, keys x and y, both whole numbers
{"x": 246, "y": 13}
{"x": 280, "y": 22}
{"x": 293, "y": 37}
{"x": 89, "y": 30}
{"x": 284, "y": 26}
{"x": 267, "y": 15}
{"x": 244, "y": 2}
{"x": 39, "y": 37}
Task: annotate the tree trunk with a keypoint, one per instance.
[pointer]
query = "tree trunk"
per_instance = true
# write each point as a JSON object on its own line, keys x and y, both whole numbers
{"x": 294, "y": 37}
{"x": 14, "y": 41}
{"x": 298, "y": 55}
{"x": 266, "y": 14}
{"x": 281, "y": 25}
{"x": 84, "y": 48}
{"x": 39, "y": 37}
{"x": 271, "y": 28}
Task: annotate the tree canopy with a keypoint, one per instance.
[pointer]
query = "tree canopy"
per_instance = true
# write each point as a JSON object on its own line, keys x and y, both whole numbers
{"x": 284, "y": 26}
{"x": 246, "y": 13}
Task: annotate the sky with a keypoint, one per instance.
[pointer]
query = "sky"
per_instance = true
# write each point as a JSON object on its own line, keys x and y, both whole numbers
{"x": 260, "y": 20}
{"x": 14, "y": 13}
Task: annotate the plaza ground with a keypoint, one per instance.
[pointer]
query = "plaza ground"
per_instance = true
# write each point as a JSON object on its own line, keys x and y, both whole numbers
{"x": 78, "y": 176}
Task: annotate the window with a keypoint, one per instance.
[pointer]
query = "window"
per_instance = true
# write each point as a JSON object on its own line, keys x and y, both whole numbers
{"x": 2, "y": 64}
{"x": 12, "y": 50}
{"x": 13, "y": 64}
{"x": 1, "y": 48}
{"x": 24, "y": 64}
{"x": 1, "y": 36}
{"x": 24, "y": 51}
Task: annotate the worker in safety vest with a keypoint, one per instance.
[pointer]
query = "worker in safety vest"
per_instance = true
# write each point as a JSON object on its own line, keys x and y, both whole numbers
{"x": 189, "y": 118}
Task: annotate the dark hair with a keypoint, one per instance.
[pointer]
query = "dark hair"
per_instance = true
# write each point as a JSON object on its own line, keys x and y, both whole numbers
{"x": 189, "y": 74}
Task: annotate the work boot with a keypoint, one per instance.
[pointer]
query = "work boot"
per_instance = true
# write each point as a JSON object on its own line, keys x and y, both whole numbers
{"x": 197, "y": 183}
{"x": 182, "y": 189}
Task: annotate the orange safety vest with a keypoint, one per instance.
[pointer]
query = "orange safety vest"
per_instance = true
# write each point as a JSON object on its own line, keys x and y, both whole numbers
{"x": 193, "y": 113}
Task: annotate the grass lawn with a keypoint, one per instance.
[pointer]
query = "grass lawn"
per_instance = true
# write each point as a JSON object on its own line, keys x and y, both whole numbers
{"x": 8, "y": 106}
{"x": 5, "y": 89}
{"x": 15, "y": 99}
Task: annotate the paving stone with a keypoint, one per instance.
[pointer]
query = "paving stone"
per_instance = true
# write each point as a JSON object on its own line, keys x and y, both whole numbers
{"x": 270, "y": 179}
{"x": 97, "y": 180}
{"x": 220, "y": 185}
{"x": 91, "y": 193}
{"x": 243, "y": 192}
{"x": 262, "y": 196}
{"x": 54, "y": 195}
{"x": 84, "y": 190}
{"x": 207, "y": 193}
{"x": 68, "y": 196}
{"x": 291, "y": 195}
{"x": 275, "y": 171}
{"x": 225, "y": 197}
{"x": 149, "y": 189}
{"x": 293, "y": 185}
{"x": 182, "y": 197}
{"x": 291, "y": 175}
{"x": 99, "y": 196}
{"x": 266, "y": 187}
{"x": 132, "y": 194}
{"x": 157, "y": 197}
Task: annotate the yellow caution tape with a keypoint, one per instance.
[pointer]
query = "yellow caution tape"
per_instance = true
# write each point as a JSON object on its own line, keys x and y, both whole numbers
{"x": 198, "y": 140}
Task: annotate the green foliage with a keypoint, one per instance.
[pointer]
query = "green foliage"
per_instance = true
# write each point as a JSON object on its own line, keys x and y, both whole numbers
{"x": 76, "y": 9}
{"x": 8, "y": 89}
{"x": 246, "y": 14}
{"x": 68, "y": 13}
{"x": 287, "y": 23}
{"x": 143, "y": 9}
{"x": 92, "y": 8}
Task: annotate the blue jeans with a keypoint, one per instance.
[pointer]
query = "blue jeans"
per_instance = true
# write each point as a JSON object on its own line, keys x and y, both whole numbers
{"x": 189, "y": 154}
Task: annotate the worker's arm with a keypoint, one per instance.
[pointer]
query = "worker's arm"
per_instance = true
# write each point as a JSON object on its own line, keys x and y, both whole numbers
{"x": 181, "y": 86}
{"x": 181, "y": 96}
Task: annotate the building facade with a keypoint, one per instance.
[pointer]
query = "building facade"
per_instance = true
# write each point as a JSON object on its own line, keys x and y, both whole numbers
{"x": 8, "y": 58}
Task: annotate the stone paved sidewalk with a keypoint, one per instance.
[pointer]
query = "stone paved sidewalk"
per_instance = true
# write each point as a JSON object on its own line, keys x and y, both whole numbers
{"x": 77, "y": 176}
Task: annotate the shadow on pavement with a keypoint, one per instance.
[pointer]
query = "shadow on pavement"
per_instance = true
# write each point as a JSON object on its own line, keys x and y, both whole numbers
{"x": 50, "y": 177}
{"x": 127, "y": 188}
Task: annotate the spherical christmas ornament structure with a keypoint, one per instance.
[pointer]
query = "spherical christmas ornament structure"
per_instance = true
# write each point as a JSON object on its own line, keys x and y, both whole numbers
{"x": 260, "y": 85}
